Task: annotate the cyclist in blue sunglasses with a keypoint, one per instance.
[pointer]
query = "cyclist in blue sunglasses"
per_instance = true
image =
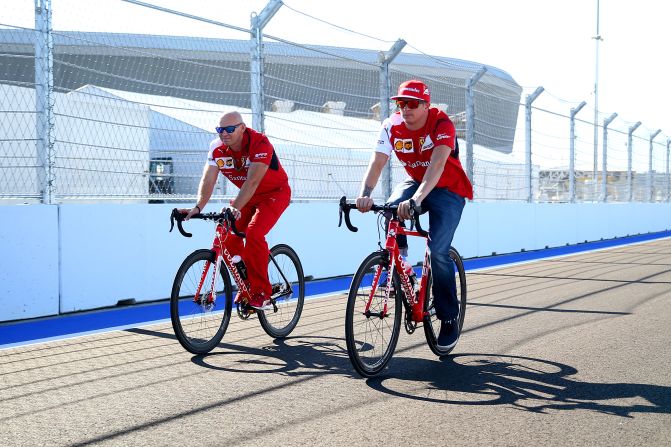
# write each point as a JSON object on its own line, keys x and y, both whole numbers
{"x": 246, "y": 158}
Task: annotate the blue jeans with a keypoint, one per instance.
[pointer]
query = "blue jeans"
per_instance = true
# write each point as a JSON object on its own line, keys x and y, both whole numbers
{"x": 444, "y": 208}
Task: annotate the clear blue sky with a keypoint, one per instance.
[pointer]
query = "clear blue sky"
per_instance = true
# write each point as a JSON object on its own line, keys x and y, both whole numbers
{"x": 548, "y": 43}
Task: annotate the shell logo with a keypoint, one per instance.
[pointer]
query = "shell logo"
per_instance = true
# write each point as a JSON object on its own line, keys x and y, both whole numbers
{"x": 403, "y": 145}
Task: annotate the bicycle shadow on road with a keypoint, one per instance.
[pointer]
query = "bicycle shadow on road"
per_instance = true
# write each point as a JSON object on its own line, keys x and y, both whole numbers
{"x": 526, "y": 383}
{"x": 292, "y": 356}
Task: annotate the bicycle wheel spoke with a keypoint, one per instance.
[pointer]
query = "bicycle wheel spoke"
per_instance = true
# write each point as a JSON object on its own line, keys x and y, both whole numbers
{"x": 431, "y": 321}
{"x": 199, "y": 321}
{"x": 371, "y": 335}
{"x": 288, "y": 292}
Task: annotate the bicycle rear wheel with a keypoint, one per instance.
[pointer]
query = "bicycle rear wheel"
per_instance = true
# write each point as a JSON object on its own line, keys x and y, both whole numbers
{"x": 286, "y": 277}
{"x": 431, "y": 322}
{"x": 372, "y": 336}
{"x": 200, "y": 324}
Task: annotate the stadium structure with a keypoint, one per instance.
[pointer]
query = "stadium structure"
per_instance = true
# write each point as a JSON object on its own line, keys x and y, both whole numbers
{"x": 217, "y": 71}
{"x": 321, "y": 104}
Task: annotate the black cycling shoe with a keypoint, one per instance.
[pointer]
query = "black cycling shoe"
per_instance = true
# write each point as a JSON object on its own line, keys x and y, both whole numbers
{"x": 449, "y": 334}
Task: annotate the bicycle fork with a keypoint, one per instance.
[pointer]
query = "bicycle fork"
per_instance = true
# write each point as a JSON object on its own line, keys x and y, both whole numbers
{"x": 211, "y": 296}
{"x": 376, "y": 279}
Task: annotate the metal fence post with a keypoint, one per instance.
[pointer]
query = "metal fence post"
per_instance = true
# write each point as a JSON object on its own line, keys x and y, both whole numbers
{"x": 571, "y": 160}
{"x": 44, "y": 99}
{"x": 470, "y": 121}
{"x": 258, "y": 22}
{"x": 604, "y": 162}
{"x": 385, "y": 92}
{"x": 630, "y": 185}
{"x": 668, "y": 174}
{"x": 528, "y": 171}
{"x": 651, "y": 182}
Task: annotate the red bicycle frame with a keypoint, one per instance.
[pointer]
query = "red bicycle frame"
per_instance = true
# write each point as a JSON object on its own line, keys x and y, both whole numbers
{"x": 225, "y": 226}
{"x": 415, "y": 300}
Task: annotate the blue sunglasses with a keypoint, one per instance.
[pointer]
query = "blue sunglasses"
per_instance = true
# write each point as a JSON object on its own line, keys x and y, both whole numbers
{"x": 227, "y": 129}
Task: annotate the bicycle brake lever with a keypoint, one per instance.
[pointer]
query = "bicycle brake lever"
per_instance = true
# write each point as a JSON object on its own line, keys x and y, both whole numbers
{"x": 230, "y": 218}
{"x": 415, "y": 211}
{"x": 344, "y": 208}
{"x": 172, "y": 220}
{"x": 343, "y": 202}
{"x": 179, "y": 217}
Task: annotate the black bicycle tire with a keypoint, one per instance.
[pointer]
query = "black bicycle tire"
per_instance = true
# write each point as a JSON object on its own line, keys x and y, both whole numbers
{"x": 428, "y": 329}
{"x": 359, "y": 365}
{"x": 267, "y": 326}
{"x": 184, "y": 340}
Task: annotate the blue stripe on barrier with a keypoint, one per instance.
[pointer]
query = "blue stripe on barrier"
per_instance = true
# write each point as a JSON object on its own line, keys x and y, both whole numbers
{"x": 512, "y": 258}
{"x": 31, "y": 331}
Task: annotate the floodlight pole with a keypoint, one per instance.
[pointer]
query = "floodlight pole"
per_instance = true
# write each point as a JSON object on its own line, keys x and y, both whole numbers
{"x": 571, "y": 160}
{"x": 258, "y": 22}
{"x": 385, "y": 92}
{"x": 597, "y": 39}
{"x": 604, "y": 162}
{"x": 630, "y": 139}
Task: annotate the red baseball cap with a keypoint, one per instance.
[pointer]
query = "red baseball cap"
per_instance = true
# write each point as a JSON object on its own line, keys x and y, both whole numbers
{"x": 413, "y": 89}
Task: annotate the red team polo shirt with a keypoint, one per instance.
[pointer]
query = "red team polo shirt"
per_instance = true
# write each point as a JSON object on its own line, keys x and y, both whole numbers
{"x": 235, "y": 165}
{"x": 414, "y": 148}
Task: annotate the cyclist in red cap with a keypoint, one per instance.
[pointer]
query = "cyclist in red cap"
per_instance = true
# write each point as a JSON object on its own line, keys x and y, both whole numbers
{"x": 248, "y": 160}
{"x": 424, "y": 141}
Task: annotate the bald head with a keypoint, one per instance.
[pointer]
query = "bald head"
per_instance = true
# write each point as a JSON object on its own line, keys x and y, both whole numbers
{"x": 233, "y": 121}
{"x": 230, "y": 119}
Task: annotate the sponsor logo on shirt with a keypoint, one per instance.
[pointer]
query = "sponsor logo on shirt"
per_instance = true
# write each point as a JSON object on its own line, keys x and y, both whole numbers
{"x": 443, "y": 136}
{"x": 224, "y": 163}
{"x": 242, "y": 163}
{"x": 416, "y": 164}
{"x": 261, "y": 155}
{"x": 426, "y": 143}
{"x": 403, "y": 145}
{"x": 238, "y": 177}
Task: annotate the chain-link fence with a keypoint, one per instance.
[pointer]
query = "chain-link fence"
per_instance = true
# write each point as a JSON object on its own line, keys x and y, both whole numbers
{"x": 91, "y": 116}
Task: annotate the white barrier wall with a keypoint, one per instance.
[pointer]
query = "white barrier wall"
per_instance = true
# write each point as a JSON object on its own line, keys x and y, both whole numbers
{"x": 72, "y": 257}
{"x": 29, "y": 273}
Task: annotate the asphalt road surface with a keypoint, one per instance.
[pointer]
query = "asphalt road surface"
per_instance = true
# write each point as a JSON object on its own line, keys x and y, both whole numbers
{"x": 568, "y": 351}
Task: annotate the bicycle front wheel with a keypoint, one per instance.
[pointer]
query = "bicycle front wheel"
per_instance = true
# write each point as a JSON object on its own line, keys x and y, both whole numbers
{"x": 371, "y": 332}
{"x": 285, "y": 273}
{"x": 199, "y": 316}
{"x": 431, "y": 322}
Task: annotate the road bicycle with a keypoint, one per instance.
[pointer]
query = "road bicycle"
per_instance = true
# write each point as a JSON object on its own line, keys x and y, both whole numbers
{"x": 377, "y": 298}
{"x": 201, "y": 301}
